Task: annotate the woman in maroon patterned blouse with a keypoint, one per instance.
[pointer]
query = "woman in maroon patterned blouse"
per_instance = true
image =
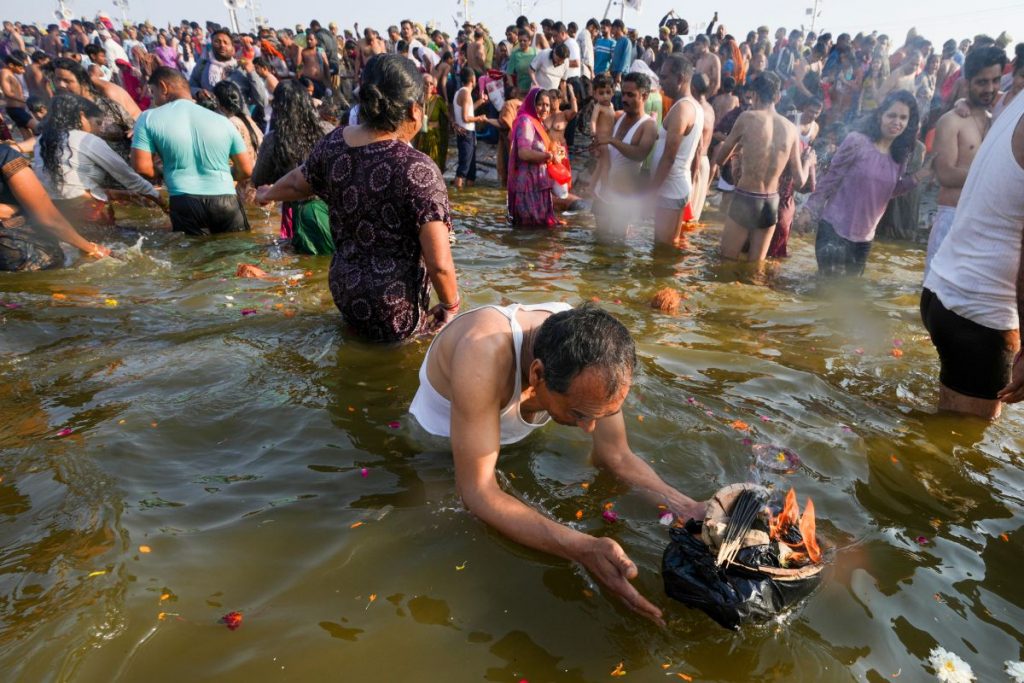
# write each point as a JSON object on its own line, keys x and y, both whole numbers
{"x": 388, "y": 208}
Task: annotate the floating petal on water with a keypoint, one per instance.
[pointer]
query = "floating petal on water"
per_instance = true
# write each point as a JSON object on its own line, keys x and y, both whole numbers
{"x": 776, "y": 458}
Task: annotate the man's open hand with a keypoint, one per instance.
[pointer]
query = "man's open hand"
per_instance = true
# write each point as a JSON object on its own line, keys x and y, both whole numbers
{"x": 608, "y": 563}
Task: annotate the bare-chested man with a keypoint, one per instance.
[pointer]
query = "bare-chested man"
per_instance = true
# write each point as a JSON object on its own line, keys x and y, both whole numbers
{"x": 957, "y": 138}
{"x": 14, "y": 96}
{"x": 315, "y": 66}
{"x": 903, "y": 78}
{"x": 770, "y": 144}
{"x": 702, "y": 179}
{"x": 726, "y": 100}
{"x": 476, "y": 52}
{"x": 369, "y": 45}
{"x": 708, "y": 64}
{"x": 497, "y": 373}
{"x": 36, "y": 80}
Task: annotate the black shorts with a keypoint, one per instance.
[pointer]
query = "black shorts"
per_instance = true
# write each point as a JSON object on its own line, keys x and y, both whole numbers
{"x": 754, "y": 210}
{"x": 207, "y": 214}
{"x": 975, "y": 360}
{"x": 21, "y": 117}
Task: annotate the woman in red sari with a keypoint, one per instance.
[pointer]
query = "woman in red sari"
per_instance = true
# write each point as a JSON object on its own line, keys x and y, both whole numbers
{"x": 529, "y": 186}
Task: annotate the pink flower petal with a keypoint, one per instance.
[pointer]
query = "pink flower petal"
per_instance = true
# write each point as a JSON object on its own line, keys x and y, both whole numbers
{"x": 691, "y": 400}
{"x": 897, "y": 342}
{"x": 667, "y": 519}
{"x": 248, "y": 311}
{"x": 610, "y": 516}
{"x": 765, "y": 418}
{"x": 365, "y": 472}
{"x": 394, "y": 424}
{"x": 922, "y": 540}
{"x": 65, "y": 432}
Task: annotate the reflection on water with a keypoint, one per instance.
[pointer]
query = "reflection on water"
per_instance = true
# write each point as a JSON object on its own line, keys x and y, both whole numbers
{"x": 166, "y": 459}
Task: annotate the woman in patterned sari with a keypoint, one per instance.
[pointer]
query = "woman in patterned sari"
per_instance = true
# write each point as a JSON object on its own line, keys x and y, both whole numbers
{"x": 388, "y": 209}
{"x": 529, "y": 186}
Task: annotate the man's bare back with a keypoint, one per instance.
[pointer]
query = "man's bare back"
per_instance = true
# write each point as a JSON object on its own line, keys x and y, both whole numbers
{"x": 768, "y": 140}
{"x": 723, "y": 104}
{"x": 711, "y": 66}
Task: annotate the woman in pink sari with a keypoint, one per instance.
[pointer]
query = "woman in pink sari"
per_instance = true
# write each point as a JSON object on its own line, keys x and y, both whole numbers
{"x": 529, "y": 187}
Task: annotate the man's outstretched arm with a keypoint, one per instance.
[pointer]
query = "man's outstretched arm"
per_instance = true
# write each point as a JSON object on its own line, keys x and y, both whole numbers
{"x": 612, "y": 453}
{"x": 475, "y": 438}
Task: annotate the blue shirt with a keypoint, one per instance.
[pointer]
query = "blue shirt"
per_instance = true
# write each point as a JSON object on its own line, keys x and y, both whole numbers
{"x": 603, "y": 55}
{"x": 195, "y": 144}
{"x": 622, "y": 57}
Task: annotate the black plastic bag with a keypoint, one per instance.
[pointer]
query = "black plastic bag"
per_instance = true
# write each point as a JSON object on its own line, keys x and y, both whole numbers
{"x": 734, "y": 594}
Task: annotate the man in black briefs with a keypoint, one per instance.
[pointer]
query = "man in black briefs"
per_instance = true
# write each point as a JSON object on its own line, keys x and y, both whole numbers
{"x": 769, "y": 144}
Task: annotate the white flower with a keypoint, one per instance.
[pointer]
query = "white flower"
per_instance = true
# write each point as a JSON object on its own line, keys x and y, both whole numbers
{"x": 949, "y": 668}
{"x": 1015, "y": 670}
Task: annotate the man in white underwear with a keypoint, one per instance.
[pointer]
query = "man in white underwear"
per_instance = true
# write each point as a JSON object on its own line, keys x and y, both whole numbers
{"x": 497, "y": 373}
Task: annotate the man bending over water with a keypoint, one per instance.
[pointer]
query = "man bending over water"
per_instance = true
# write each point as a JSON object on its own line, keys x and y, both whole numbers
{"x": 770, "y": 143}
{"x": 497, "y": 373}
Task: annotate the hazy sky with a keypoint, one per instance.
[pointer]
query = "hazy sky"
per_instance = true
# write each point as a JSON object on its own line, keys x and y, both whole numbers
{"x": 945, "y": 18}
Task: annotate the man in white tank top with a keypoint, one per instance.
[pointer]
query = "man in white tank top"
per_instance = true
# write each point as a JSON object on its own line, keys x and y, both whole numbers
{"x": 465, "y": 121}
{"x": 618, "y": 202}
{"x": 973, "y": 294}
{"x": 496, "y": 373}
{"x": 675, "y": 151}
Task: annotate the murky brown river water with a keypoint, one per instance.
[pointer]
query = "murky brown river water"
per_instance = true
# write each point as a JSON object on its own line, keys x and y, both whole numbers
{"x": 232, "y": 446}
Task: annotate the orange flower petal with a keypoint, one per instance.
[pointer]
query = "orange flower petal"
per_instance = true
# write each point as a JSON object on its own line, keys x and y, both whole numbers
{"x": 579, "y": 514}
{"x": 618, "y": 670}
{"x": 355, "y": 525}
{"x": 145, "y": 549}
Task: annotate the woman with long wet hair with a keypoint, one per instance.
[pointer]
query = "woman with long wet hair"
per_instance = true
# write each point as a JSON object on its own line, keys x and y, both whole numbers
{"x": 869, "y": 168}
{"x": 231, "y": 104}
{"x": 118, "y": 108}
{"x": 295, "y": 128}
{"x": 77, "y": 168}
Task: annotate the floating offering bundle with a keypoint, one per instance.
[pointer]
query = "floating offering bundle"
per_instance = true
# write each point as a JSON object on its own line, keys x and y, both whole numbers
{"x": 744, "y": 562}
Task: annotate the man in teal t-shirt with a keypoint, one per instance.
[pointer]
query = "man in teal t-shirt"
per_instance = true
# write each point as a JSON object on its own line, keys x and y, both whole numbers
{"x": 197, "y": 147}
{"x": 518, "y": 67}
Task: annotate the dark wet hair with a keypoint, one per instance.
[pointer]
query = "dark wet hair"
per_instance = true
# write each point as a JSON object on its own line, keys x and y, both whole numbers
{"x": 586, "y": 337}
{"x": 229, "y": 97}
{"x": 699, "y": 84}
{"x": 982, "y": 58}
{"x": 766, "y": 86}
{"x": 295, "y": 124}
{"x": 168, "y": 76}
{"x": 561, "y": 51}
{"x": 388, "y": 85}
{"x": 78, "y": 71}
{"x": 641, "y": 81}
{"x": 601, "y": 81}
{"x": 65, "y": 114}
{"x": 728, "y": 84}
{"x": 903, "y": 145}
{"x": 679, "y": 65}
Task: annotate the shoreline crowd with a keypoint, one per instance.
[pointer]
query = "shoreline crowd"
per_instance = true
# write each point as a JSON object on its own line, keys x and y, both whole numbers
{"x": 350, "y": 132}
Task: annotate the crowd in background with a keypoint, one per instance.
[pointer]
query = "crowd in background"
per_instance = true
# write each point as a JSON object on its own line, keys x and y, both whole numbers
{"x": 325, "y": 120}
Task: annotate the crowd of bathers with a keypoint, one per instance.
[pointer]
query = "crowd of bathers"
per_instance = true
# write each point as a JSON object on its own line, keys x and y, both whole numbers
{"x": 780, "y": 131}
